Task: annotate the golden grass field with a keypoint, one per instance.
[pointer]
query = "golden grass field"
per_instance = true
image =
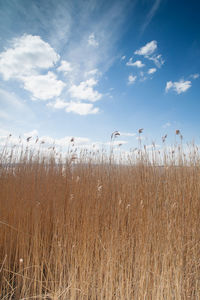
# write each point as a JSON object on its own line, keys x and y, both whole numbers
{"x": 82, "y": 230}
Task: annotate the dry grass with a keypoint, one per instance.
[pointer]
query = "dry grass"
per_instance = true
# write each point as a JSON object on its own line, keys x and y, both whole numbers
{"x": 99, "y": 231}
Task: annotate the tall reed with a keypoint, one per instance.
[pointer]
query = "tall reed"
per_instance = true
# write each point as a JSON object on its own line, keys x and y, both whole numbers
{"x": 89, "y": 228}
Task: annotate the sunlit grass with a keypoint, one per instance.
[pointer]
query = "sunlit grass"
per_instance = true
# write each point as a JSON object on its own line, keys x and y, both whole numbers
{"x": 88, "y": 228}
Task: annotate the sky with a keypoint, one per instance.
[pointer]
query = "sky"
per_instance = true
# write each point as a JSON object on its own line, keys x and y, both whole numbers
{"x": 85, "y": 69}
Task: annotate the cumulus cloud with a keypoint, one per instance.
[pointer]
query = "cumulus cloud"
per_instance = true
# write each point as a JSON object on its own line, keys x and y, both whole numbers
{"x": 151, "y": 70}
{"x": 137, "y": 63}
{"x": 123, "y": 57}
{"x": 81, "y": 108}
{"x": 92, "y": 41}
{"x": 131, "y": 79}
{"x": 148, "y": 49}
{"x": 43, "y": 87}
{"x": 24, "y": 61}
{"x": 26, "y": 55}
{"x": 85, "y": 91}
{"x": 179, "y": 87}
{"x": 65, "y": 67}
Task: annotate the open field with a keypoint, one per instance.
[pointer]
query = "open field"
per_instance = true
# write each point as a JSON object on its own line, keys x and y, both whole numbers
{"x": 78, "y": 231}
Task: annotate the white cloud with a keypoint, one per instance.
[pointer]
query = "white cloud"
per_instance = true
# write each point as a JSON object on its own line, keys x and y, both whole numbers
{"x": 4, "y": 133}
{"x": 137, "y": 63}
{"x": 117, "y": 143}
{"x": 127, "y": 134}
{"x": 25, "y": 59}
{"x": 65, "y": 67}
{"x": 58, "y": 104}
{"x": 131, "y": 79}
{"x": 81, "y": 108}
{"x": 169, "y": 85}
{"x": 123, "y": 57}
{"x": 142, "y": 76}
{"x": 151, "y": 70}
{"x": 75, "y": 107}
{"x": 148, "y": 52}
{"x": 194, "y": 76}
{"x": 85, "y": 91}
{"x": 157, "y": 59}
{"x": 148, "y": 49}
{"x": 179, "y": 87}
{"x": 14, "y": 107}
{"x": 26, "y": 55}
{"x": 152, "y": 146}
{"x": 4, "y": 115}
{"x": 92, "y": 73}
{"x": 92, "y": 41}
{"x": 168, "y": 124}
{"x": 32, "y": 133}
{"x": 43, "y": 87}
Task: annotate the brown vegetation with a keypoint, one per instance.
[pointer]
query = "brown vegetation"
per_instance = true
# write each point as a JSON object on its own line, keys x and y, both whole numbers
{"x": 99, "y": 230}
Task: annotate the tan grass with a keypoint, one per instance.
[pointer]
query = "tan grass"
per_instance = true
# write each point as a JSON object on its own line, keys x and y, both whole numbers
{"x": 100, "y": 231}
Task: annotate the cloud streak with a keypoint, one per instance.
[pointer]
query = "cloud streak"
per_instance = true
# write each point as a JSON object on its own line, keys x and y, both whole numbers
{"x": 151, "y": 14}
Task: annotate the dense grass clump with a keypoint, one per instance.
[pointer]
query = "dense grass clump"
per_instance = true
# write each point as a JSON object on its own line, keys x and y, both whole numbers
{"x": 89, "y": 228}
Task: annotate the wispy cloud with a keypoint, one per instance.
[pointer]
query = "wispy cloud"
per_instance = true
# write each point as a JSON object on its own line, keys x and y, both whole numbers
{"x": 152, "y": 70}
{"x": 157, "y": 59}
{"x": 168, "y": 124}
{"x": 54, "y": 64}
{"x": 13, "y": 110}
{"x": 131, "y": 79}
{"x": 92, "y": 40}
{"x": 151, "y": 14}
{"x": 194, "y": 76}
{"x": 179, "y": 87}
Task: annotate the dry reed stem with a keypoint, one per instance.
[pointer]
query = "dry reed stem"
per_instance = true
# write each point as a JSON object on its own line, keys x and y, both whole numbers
{"x": 100, "y": 231}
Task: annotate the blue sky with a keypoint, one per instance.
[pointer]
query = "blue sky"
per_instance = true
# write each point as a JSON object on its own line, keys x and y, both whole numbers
{"x": 84, "y": 69}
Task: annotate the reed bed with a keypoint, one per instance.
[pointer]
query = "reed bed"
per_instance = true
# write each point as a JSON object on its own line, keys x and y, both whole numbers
{"x": 86, "y": 227}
